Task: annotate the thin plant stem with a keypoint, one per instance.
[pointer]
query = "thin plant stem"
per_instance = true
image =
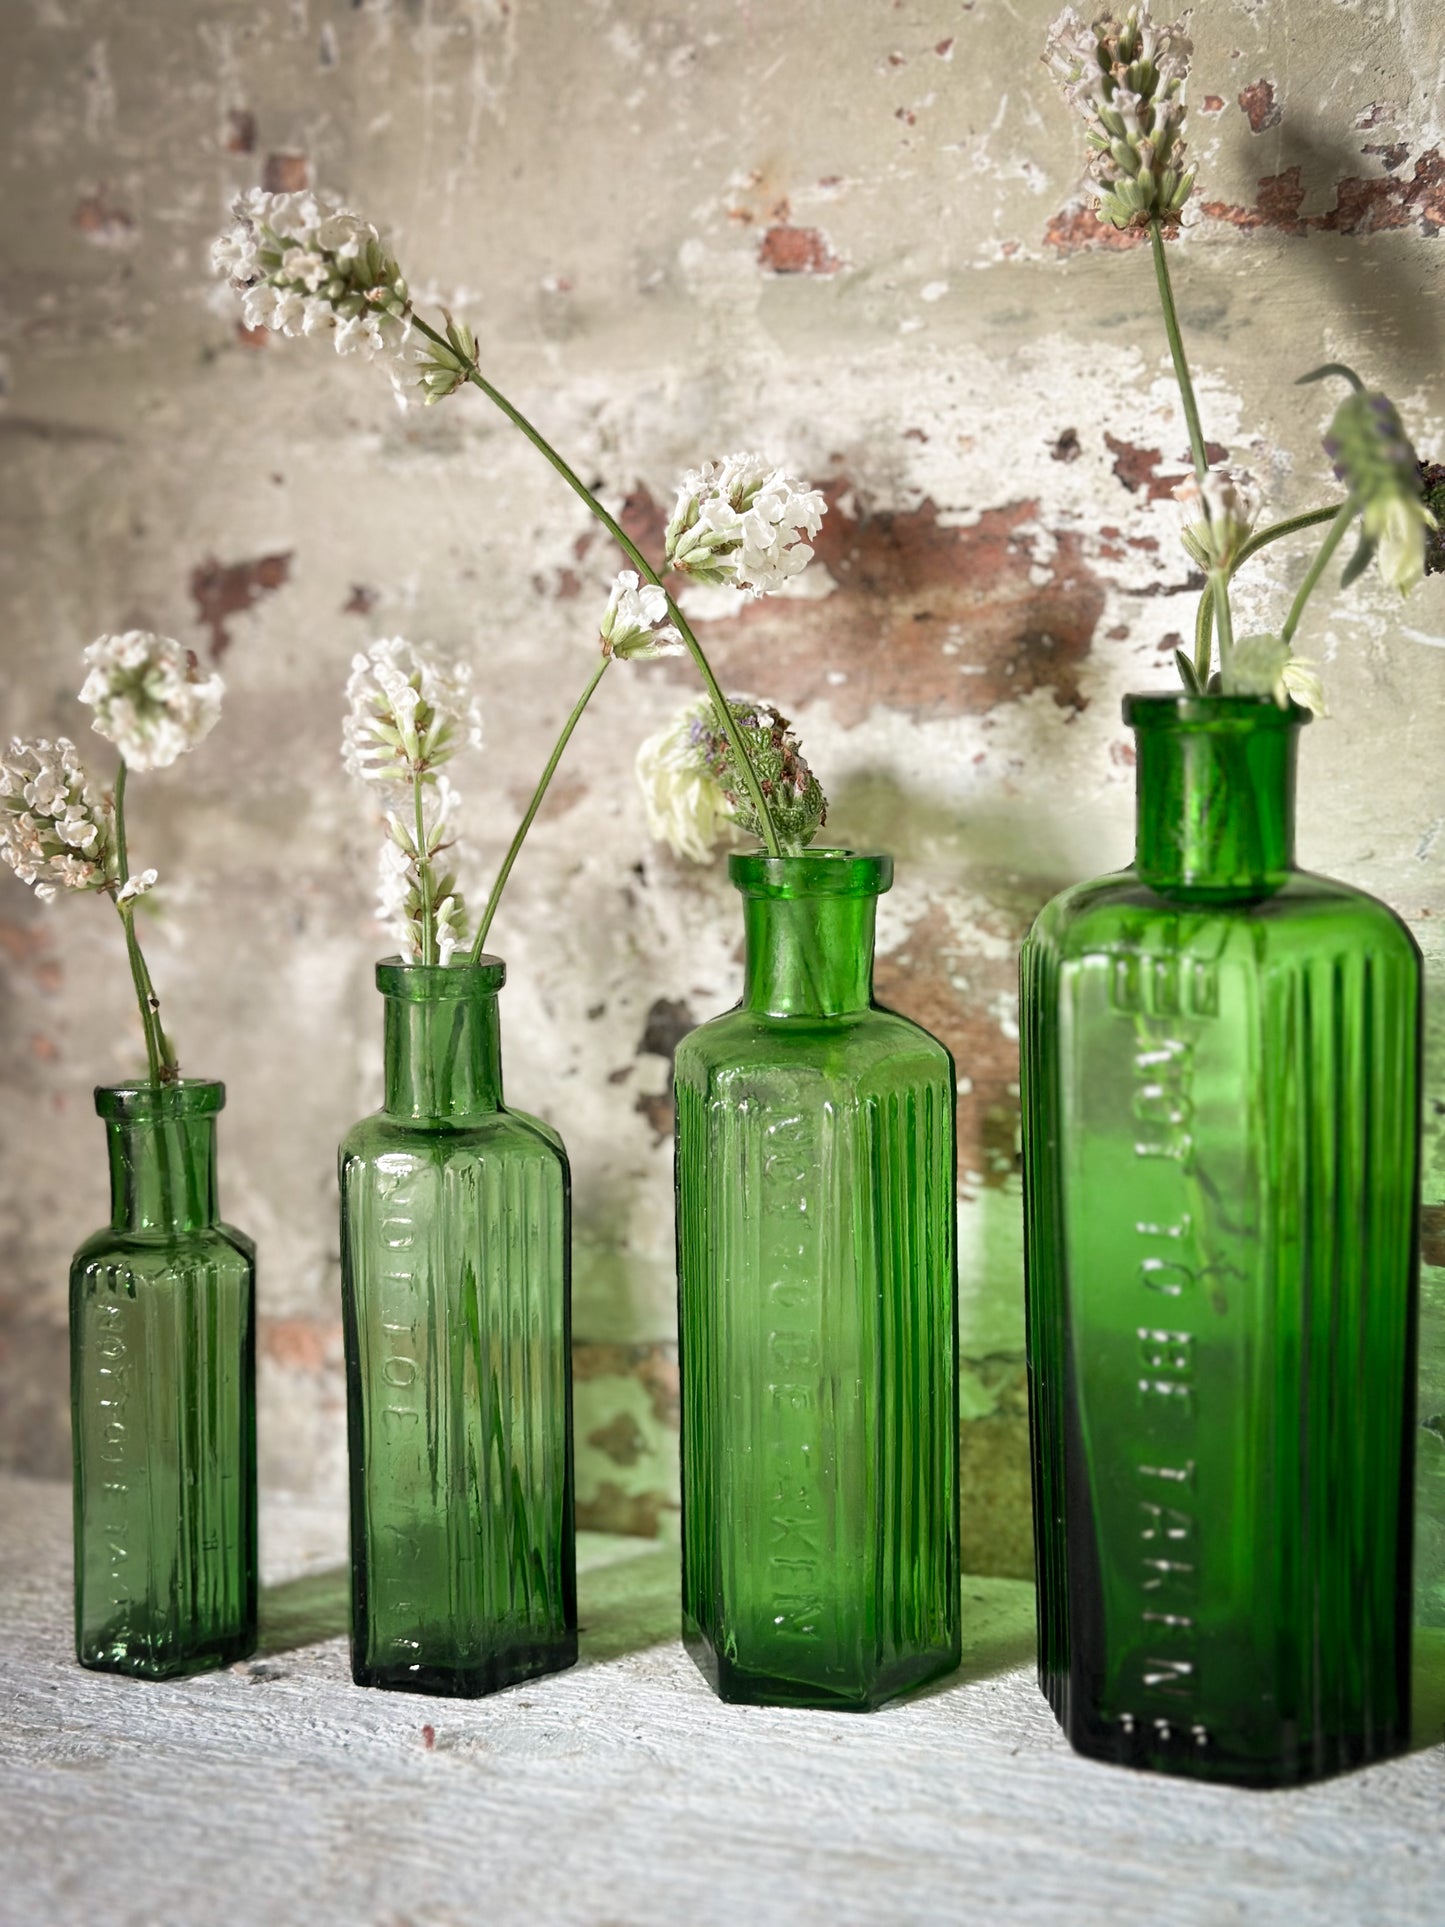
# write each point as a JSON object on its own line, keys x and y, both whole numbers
{"x": 532, "y": 808}
{"x": 159, "y": 1055}
{"x": 1261, "y": 539}
{"x": 644, "y": 568}
{"x": 1176, "y": 350}
{"x": 1344, "y": 515}
{"x": 423, "y": 872}
{"x": 1223, "y": 617}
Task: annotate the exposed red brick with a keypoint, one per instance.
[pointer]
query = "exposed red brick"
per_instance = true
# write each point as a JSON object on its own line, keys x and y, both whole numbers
{"x": 1138, "y": 468}
{"x": 1390, "y": 154}
{"x": 622, "y": 1439}
{"x": 1362, "y": 205}
{"x": 944, "y": 49}
{"x": 1066, "y": 448}
{"x": 609, "y": 1509}
{"x": 252, "y": 337}
{"x": 286, "y": 173}
{"x": 956, "y": 993}
{"x": 1212, "y": 104}
{"x": 1076, "y": 229}
{"x": 1261, "y": 109}
{"x": 240, "y": 131}
{"x": 653, "y": 1366}
{"x": 796, "y": 250}
{"x": 102, "y": 222}
{"x": 360, "y": 602}
{"x": 308, "y": 1345}
{"x": 659, "y": 1111}
{"x": 929, "y": 620}
{"x": 222, "y": 589}
{"x": 43, "y": 1047}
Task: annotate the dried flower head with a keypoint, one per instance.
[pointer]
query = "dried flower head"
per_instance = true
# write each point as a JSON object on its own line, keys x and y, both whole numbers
{"x": 1218, "y": 516}
{"x": 686, "y": 805}
{"x": 408, "y": 712}
{"x": 1373, "y": 457}
{"x": 56, "y": 830}
{"x": 693, "y": 793}
{"x": 1126, "y": 78}
{"x": 634, "y": 624}
{"x": 150, "y": 697}
{"x": 305, "y": 266}
{"x": 741, "y": 522}
{"x": 1263, "y": 666}
{"x": 440, "y": 369}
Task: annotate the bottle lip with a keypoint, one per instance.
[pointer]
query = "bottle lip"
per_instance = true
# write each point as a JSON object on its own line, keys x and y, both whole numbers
{"x": 816, "y": 873}
{"x": 417, "y": 983}
{"x": 187, "y": 1097}
{"x": 1233, "y": 714}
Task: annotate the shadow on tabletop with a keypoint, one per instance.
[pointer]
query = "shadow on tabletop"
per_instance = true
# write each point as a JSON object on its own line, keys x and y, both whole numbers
{"x": 304, "y": 1611}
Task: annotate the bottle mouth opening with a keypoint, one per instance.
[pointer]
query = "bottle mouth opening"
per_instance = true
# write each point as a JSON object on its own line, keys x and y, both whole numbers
{"x": 417, "y": 983}
{"x": 1231, "y": 714}
{"x": 816, "y": 873}
{"x": 187, "y": 1097}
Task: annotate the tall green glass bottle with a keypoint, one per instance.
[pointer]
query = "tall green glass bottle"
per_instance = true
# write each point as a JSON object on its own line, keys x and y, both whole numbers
{"x": 1220, "y": 1083}
{"x": 817, "y": 1312}
{"x": 163, "y": 1399}
{"x": 456, "y": 1269}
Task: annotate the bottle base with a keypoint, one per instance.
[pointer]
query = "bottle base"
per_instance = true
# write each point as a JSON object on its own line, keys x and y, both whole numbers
{"x": 1188, "y": 1751}
{"x": 472, "y": 1679}
{"x": 739, "y": 1685}
{"x": 158, "y": 1660}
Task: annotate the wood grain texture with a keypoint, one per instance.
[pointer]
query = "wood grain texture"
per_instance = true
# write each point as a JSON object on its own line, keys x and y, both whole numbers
{"x": 622, "y": 1792}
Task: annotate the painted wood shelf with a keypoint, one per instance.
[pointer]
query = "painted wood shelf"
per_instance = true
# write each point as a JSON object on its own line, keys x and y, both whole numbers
{"x": 622, "y": 1791}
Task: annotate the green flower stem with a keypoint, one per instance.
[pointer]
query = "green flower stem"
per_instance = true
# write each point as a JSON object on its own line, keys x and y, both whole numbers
{"x": 159, "y": 1055}
{"x": 536, "y": 803}
{"x": 1344, "y": 515}
{"x": 1223, "y": 617}
{"x": 1176, "y": 349}
{"x": 644, "y": 568}
{"x": 1261, "y": 539}
{"x": 423, "y": 873}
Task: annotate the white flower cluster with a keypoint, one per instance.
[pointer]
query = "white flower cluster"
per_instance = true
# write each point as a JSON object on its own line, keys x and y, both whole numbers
{"x": 687, "y": 807}
{"x": 1126, "y": 78}
{"x": 1217, "y": 516}
{"x": 305, "y": 266}
{"x": 149, "y": 697}
{"x": 741, "y": 522}
{"x": 634, "y": 624}
{"x": 1263, "y": 666}
{"x": 407, "y": 712}
{"x": 55, "y": 827}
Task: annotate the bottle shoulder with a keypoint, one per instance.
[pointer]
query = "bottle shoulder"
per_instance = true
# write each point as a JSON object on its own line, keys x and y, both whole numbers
{"x": 1119, "y": 909}
{"x": 745, "y": 1040}
{"x": 156, "y": 1253}
{"x": 516, "y": 1135}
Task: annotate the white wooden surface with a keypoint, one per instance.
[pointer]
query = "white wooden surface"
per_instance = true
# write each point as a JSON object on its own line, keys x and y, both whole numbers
{"x": 622, "y": 1792}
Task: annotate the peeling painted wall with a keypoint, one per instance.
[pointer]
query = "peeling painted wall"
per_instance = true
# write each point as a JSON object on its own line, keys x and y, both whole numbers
{"x": 850, "y": 233}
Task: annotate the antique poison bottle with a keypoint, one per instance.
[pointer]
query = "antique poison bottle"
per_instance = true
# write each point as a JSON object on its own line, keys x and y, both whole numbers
{"x": 1220, "y": 1083}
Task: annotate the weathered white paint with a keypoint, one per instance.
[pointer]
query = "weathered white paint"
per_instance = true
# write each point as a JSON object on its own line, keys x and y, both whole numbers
{"x": 623, "y": 1792}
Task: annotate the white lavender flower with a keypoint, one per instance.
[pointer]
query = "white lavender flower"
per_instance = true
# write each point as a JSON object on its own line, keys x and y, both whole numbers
{"x": 150, "y": 697}
{"x": 1218, "y": 516}
{"x": 634, "y": 624}
{"x": 304, "y": 266}
{"x": 740, "y": 522}
{"x": 407, "y": 712}
{"x": 56, "y": 830}
{"x": 137, "y": 886}
{"x": 1263, "y": 666}
{"x": 401, "y": 898}
{"x": 686, "y": 806}
{"x": 1126, "y": 78}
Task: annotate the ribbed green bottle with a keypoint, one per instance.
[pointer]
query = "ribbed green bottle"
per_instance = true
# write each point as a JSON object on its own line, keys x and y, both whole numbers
{"x": 1221, "y": 1089}
{"x": 163, "y": 1401}
{"x": 456, "y": 1268}
{"x": 817, "y": 1312}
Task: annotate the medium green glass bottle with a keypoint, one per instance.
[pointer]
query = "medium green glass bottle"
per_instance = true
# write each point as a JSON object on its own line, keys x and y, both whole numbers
{"x": 163, "y": 1399}
{"x": 455, "y": 1278}
{"x": 817, "y": 1312}
{"x": 1220, "y": 1085}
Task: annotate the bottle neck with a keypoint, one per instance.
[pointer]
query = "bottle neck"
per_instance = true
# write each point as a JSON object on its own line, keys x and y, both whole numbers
{"x": 162, "y": 1174}
{"x": 1215, "y": 794}
{"x": 443, "y": 1057}
{"x": 808, "y": 956}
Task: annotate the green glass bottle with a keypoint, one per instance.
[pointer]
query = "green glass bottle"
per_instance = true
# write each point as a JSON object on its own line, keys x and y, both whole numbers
{"x": 1220, "y": 1084}
{"x": 817, "y": 1312}
{"x": 163, "y": 1399}
{"x": 455, "y": 1278}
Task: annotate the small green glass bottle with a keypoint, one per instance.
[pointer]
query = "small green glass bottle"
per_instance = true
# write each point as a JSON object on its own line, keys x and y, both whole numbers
{"x": 163, "y": 1401}
{"x": 1220, "y": 1085}
{"x": 817, "y": 1312}
{"x": 455, "y": 1270}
